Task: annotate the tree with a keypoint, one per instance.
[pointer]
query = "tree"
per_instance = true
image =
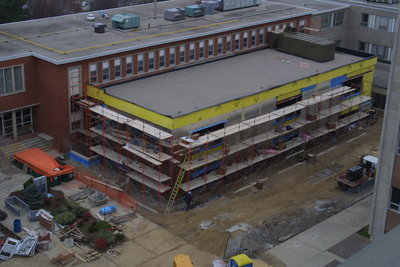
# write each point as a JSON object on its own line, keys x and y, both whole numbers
{"x": 33, "y": 197}
{"x": 50, "y": 8}
{"x": 12, "y": 10}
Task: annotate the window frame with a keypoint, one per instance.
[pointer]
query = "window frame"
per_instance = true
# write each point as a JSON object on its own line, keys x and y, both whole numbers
{"x": 172, "y": 56}
{"x": 129, "y": 65}
{"x": 13, "y": 88}
{"x": 151, "y": 61}
{"x": 140, "y": 63}
{"x": 93, "y": 73}
{"x": 117, "y": 68}
{"x": 161, "y": 58}
{"x": 105, "y": 74}
{"x": 182, "y": 54}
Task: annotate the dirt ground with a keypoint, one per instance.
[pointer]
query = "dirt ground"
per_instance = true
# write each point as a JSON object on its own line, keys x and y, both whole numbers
{"x": 286, "y": 202}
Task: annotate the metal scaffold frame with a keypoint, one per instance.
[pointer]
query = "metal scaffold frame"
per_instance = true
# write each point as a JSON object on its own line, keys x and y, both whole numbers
{"x": 158, "y": 161}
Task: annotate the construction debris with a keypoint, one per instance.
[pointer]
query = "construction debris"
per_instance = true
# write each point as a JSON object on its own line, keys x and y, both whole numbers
{"x": 97, "y": 199}
{"x": 90, "y": 255}
{"x": 82, "y": 195}
{"x": 123, "y": 218}
{"x": 9, "y": 248}
{"x": 63, "y": 259}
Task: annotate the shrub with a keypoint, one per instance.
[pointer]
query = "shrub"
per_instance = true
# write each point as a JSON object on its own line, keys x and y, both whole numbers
{"x": 120, "y": 237}
{"x": 33, "y": 196}
{"x": 28, "y": 182}
{"x": 79, "y": 211}
{"x": 107, "y": 235}
{"x": 98, "y": 226}
{"x": 101, "y": 243}
{"x": 65, "y": 218}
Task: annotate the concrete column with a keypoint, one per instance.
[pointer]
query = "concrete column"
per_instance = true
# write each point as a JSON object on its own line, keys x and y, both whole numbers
{"x": 388, "y": 146}
{"x": 14, "y": 124}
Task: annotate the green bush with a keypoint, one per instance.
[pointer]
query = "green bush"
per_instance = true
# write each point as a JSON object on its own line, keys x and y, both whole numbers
{"x": 77, "y": 209}
{"x": 107, "y": 235}
{"x": 28, "y": 182}
{"x": 65, "y": 218}
{"x": 120, "y": 237}
{"x": 98, "y": 226}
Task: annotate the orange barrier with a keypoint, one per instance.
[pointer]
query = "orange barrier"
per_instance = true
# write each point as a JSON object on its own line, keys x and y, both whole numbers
{"x": 111, "y": 191}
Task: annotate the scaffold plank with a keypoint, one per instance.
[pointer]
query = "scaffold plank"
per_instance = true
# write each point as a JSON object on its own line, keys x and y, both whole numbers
{"x": 193, "y": 184}
{"x": 108, "y": 153}
{"x": 161, "y": 156}
{"x": 107, "y": 135}
{"x": 142, "y": 155}
{"x": 148, "y": 171}
{"x": 160, "y": 187}
{"x": 139, "y": 125}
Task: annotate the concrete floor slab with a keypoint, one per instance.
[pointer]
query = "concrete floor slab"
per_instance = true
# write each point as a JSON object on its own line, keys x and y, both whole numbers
{"x": 287, "y": 256}
{"x": 198, "y": 257}
{"x": 138, "y": 227}
{"x": 325, "y": 258}
{"x": 301, "y": 248}
{"x": 315, "y": 240}
{"x": 131, "y": 254}
{"x": 159, "y": 241}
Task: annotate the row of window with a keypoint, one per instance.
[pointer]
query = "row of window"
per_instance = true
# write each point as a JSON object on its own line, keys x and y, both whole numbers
{"x": 11, "y": 80}
{"x": 385, "y": 1}
{"x": 382, "y": 52}
{"x": 23, "y": 118}
{"x": 332, "y": 20}
{"x": 378, "y": 22}
{"x": 181, "y": 54}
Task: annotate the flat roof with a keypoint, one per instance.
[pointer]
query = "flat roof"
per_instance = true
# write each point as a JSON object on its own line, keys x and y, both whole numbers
{"x": 71, "y": 38}
{"x": 184, "y": 91}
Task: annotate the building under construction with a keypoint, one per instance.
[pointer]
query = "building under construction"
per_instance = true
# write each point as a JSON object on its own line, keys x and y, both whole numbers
{"x": 200, "y": 126}
{"x": 174, "y": 106}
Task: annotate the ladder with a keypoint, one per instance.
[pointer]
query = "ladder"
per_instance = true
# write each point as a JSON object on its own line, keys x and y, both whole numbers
{"x": 178, "y": 182}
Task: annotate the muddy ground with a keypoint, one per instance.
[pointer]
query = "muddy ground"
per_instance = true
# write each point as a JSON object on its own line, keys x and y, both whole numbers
{"x": 286, "y": 205}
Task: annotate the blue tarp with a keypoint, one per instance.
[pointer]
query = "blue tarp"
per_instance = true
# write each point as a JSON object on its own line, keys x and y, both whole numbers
{"x": 204, "y": 170}
{"x": 309, "y": 88}
{"x": 338, "y": 81}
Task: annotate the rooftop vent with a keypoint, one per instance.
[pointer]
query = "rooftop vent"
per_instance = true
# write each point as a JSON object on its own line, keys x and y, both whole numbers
{"x": 174, "y": 14}
{"x": 125, "y": 21}
{"x": 211, "y": 7}
{"x": 99, "y": 27}
{"x": 303, "y": 45}
{"x": 194, "y": 11}
{"x": 236, "y": 4}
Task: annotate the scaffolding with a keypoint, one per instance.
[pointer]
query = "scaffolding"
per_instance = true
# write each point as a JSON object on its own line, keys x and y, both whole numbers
{"x": 154, "y": 160}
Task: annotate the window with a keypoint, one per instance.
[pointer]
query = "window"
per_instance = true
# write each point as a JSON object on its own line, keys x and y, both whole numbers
{"x": 117, "y": 68}
{"x": 364, "y": 19}
{"x": 219, "y": 46}
{"x": 395, "y": 200}
{"x": 23, "y": 119}
{"x": 172, "y": 56}
{"x": 338, "y": 19}
{"x": 93, "y": 73}
{"x": 228, "y": 44}
{"x": 162, "y": 58}
{"x": 210, "y": 47}
{"x": 269, "y": 29}
{"x": 378, "y": 101}
{"x": 253, "y": 38}
{"x": 74, "y": 81}
{"x": 338, "y": 42}
{"x": 262, "y": 34}
{"x": 140, "y": 66}
{"x": 151, "y": 61}
{"x": 191, "y": 52}
{"x": 302, "y": 22}
{"x": 237, "y": 41}
{"x": 382, "y": 52}
{"x": 182, "y": 54}
{"x": 326, "y": 20}
{"x": 129, "y": 66}
{"x": 11, "y": 80}
{"x": 245, "y": 39}
{"x": 201, "y": 50}
{"x": 106, "y": 71}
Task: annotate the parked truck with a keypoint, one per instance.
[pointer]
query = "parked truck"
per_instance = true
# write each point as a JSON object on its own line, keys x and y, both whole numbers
{"x": 358, "y": 175}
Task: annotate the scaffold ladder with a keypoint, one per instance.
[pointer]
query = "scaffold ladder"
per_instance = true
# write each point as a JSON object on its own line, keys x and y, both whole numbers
{"x": 178, "y": 182}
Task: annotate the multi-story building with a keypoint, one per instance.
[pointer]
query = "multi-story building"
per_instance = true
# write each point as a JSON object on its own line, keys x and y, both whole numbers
{"x": 240, "y": 106}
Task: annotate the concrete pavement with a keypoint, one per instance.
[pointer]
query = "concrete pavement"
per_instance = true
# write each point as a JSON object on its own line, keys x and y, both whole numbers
{"x": 313, "y": 247}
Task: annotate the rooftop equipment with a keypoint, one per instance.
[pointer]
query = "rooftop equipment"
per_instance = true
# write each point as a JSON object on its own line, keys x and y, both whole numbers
{"x": 99, "y": 27}
{"x": 194, "y": 11}
{"x": 236, "y": 4}
{"x": 125, "y": 21}
{"x": 306, "y": 46}
{"x": 211, "y": 7}
{"x": 174, "y": 14}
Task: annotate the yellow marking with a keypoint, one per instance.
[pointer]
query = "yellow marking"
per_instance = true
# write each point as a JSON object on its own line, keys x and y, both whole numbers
{"x": 149, "y": 36}
{"x": 24, "y": 39}
{"x": 31, "y": 42}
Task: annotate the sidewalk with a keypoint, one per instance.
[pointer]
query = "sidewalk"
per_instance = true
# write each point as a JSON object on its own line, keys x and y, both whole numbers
{"x": 316, "y": 246}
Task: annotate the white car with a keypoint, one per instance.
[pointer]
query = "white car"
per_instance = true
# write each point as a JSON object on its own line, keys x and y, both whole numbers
{"x": 90, "y": 17}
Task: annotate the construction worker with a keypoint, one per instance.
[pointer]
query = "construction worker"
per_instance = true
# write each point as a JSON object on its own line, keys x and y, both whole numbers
{"x": 188, "y": 199}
